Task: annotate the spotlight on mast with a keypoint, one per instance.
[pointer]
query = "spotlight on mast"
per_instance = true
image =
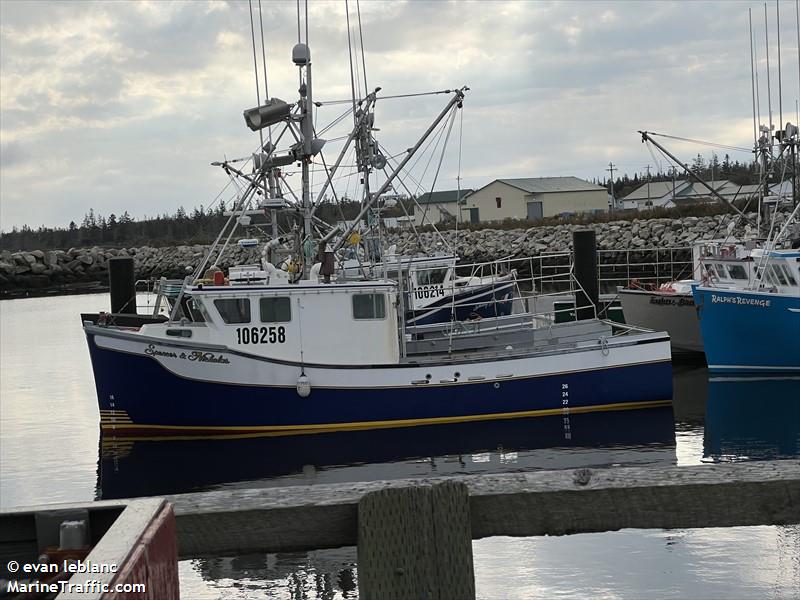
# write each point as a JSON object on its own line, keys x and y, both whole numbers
{"x": 267, "y": 114}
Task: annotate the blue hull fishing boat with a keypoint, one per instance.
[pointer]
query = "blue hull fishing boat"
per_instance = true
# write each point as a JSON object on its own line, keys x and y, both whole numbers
{"x": 302, "y": 345}
{"x": 155, "y": 386}
{"x": 749, "y": 331}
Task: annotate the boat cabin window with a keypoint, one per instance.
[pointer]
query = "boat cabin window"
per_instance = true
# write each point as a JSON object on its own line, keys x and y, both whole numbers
{"x": 737, "y": 272}
{"x": 233, "y": 310}
{"x": 275, "y": 310}
{"x": 196, "y": 310}
{"x": 369, "y": 306}
{"x": 777, "y": 275}
{"x": 712, "y": 272}
{"x": 431, "y": 276}
{"x": 788, "y": 270}
{"x": 722, "y": 272}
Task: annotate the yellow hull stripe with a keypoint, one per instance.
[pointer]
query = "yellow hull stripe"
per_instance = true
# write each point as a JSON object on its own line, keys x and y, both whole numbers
{"x": 275, "y": 430}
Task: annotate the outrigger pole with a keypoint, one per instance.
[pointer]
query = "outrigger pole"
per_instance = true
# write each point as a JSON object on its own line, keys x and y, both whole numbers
{"x": 647, "y": 137}
{"x": 456, "y": 99}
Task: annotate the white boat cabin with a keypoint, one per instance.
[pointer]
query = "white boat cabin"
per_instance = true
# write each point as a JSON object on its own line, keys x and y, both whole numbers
{"x": 737, "y": 266}
{"x": 348, "y": 324}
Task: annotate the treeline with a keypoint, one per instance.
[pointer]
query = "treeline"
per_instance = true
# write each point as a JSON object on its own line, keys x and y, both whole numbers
{"x": 201, "y": 226}
{"x": 740, "y": 173}
{"x": 197, "y": 227}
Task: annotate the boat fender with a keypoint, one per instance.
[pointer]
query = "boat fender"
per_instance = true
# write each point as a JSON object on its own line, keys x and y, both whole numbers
{"x": 303, "y": 386}
{"x": 314, "y": 273}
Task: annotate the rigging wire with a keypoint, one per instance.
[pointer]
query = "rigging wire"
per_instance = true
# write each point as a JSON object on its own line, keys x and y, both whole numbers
{"x": 335, "y": 122}
{"x": 264, "y": 62}
{"x": 255, "y": 64}
{"x": 703, "y": 143}
{"x": 350, "y": 58}
{"x": 655, "y": 159}
{"x": 449, "y": 128}
{"x": 412, "y": 95}
{"x": 458, "y": 218}
{"x": 361, "y": 36}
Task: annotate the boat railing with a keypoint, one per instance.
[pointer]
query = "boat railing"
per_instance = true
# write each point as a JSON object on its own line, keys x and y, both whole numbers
{"x": 532, "y": 286}
{"x": 152, "y": 295}
{"x": 551, "y": 270}
{"x": 645, "y": 265}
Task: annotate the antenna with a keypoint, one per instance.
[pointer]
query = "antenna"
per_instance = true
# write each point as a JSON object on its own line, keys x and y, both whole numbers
{"x": 780, "y": 94}
{"x": 769, "y": 90}
{"x": 752, "y": 78}
{"x": 797, "y": 23}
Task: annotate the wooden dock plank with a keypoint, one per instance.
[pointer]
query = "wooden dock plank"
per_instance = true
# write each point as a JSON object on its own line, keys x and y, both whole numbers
{"x": 518, "y": 504}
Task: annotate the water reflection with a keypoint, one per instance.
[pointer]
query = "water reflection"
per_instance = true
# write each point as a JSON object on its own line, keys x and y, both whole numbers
{"x": 752, "y": 418}
{"x": 325, "y": 575}
{"x": 144, "y": 468}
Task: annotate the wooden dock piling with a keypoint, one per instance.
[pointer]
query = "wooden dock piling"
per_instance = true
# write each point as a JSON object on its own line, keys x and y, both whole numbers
{"x": 415, "y": 543}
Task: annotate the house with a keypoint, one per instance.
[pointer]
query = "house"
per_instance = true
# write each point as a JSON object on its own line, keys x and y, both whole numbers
{"x": 436, "y": 207}
{"x": 651, "y": 194}
{"x": 682, "y": 192}
{"x": 401, "y": 222}
{"x": 533, "y": 198}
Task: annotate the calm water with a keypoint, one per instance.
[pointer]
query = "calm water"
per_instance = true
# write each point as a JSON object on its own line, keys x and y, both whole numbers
{"x": 50, "y": 451}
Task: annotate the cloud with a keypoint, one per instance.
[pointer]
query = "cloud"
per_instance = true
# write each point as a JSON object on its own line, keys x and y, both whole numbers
{"x": 122, "y": 106}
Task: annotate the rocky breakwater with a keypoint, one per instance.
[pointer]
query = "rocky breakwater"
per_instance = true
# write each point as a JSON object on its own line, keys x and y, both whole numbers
{"x": 638, "y": 240}
{"x": 639, "y": 235}
{"x": 77, "y": 268}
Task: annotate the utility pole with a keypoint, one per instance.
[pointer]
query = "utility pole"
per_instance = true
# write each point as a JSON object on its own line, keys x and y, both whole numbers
{"x": 611, "y": 169}
{"x": 673, "y": 173}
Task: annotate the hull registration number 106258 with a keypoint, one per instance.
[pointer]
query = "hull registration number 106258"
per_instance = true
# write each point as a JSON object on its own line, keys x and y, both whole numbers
{"x": 260, "y": 335}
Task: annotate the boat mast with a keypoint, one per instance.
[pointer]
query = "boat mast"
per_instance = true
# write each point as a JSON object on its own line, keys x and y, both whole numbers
{"x": 301, "y": 56}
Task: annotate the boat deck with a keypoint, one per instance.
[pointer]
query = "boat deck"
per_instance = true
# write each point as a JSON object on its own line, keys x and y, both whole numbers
{"x": 469, "y": 340}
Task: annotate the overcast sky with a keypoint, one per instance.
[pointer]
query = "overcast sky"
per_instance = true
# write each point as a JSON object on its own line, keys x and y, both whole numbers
{"x": 123, "y": 105}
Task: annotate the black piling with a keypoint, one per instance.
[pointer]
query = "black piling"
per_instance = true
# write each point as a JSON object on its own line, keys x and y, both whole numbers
{"x": 122, "y": 285}
{"x": 584, "y": 248}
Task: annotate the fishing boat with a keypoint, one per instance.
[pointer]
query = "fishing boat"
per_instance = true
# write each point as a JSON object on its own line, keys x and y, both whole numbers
{"x": 437, "y": 293}
{"x": 755, "y": 328}
{"x": 722, "y": 264}
{"x": 301, "y": 347}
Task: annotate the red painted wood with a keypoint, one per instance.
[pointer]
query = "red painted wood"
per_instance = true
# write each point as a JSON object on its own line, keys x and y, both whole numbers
{"x": 154, "y": 562}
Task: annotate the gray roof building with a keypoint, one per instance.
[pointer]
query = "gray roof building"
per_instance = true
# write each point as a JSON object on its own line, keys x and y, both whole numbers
{"x": 442, "y": 197}
{"x": 541, "y": 185}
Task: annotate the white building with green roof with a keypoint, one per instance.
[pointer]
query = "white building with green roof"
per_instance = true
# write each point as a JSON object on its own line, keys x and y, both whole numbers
{"x": 437, "y": 207}
{"x": 533, "y": 198}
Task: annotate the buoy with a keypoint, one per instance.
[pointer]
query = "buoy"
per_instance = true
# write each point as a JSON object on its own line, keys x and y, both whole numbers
{"x": 303, "y": 386}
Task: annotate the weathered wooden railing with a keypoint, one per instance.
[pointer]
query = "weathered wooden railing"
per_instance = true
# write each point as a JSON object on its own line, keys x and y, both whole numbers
{"x": 414, "y": 537}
